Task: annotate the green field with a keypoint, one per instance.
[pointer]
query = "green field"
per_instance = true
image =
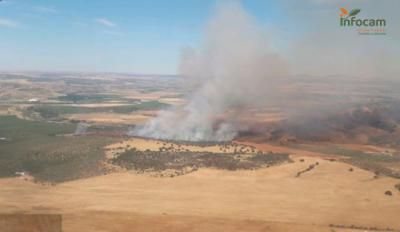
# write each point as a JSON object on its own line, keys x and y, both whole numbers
{"x": 55, "y": 110}
{"x": 41, "y": 149}
{"x": 88, "y": 98}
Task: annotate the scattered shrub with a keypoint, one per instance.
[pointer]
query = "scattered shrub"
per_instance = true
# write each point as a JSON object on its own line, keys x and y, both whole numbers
{"x": 397, "y": 186}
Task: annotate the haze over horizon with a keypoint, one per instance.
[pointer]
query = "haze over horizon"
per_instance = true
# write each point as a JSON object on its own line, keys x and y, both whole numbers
{"x": 139, "y": 37}
{"x": 199, "y": 115}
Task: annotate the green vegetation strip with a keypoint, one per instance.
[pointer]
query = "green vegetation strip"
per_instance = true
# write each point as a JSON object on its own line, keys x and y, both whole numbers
{"x": 52, "y": 111}
{"x": 88, "y": 98}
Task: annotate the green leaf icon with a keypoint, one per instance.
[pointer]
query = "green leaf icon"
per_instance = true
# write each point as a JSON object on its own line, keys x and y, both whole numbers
{"x": 353, "y": 12}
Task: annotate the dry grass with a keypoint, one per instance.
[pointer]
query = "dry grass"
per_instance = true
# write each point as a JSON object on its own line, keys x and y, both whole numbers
{"x": 368, "y": 148}
{"x": 215, "y": 200}
{"x": 155, "y": 145}
{"x": 293, "y": 151}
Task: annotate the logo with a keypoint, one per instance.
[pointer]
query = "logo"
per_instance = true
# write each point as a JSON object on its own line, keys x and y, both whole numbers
{"x": 365, "y": 26}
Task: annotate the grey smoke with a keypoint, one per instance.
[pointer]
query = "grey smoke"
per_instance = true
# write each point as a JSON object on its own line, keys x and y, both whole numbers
{"x": 234, "y": 70}
{"x": 81, "y": 128}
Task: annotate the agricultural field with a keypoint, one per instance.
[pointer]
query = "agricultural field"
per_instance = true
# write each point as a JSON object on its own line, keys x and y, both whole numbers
{"x": 69, "y": 150}
{"x": 47, "y": 151}
{"x": 193, "y": 116}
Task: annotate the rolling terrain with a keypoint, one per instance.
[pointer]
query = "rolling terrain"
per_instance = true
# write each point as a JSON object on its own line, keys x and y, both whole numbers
{"x": 67, "y": 149}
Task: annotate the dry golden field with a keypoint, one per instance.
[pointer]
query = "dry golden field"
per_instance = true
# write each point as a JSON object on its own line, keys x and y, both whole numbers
{"x": 343, "y": 191}
{"x": 270, "y": 199}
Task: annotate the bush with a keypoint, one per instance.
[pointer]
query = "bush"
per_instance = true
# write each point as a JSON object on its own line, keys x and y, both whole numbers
{"x": 389, "y": 193}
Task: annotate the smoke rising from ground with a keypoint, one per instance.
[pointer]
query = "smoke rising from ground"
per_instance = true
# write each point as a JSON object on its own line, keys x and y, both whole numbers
{"x": 81, "y": 128}
{"x": 229, "y": 74}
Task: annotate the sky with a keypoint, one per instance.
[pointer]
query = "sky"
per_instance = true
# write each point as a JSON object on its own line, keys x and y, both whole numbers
{"x": 138, "y": 36}
{"x": 148, "y": 36}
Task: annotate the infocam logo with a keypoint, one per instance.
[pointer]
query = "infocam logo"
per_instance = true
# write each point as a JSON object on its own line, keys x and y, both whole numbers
{"x": 364, "y": 25}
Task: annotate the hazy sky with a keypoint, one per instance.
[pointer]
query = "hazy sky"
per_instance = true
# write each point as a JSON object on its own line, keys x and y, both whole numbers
{"x": 147, "y": 36}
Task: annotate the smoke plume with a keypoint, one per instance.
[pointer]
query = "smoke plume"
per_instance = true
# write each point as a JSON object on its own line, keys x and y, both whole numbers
{"x": 234, "y": 70}
{"x": 81, "y": 128}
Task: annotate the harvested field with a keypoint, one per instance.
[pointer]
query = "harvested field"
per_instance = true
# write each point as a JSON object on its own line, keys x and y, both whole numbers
{"x": 292, "y": 151}
{"x": 271, "y": 199}
{"x": 325, "y": 172}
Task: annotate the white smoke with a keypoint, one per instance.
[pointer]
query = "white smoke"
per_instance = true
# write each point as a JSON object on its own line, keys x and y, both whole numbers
{"x": 234, "y": 70}
{"x": 81, "y": 128}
